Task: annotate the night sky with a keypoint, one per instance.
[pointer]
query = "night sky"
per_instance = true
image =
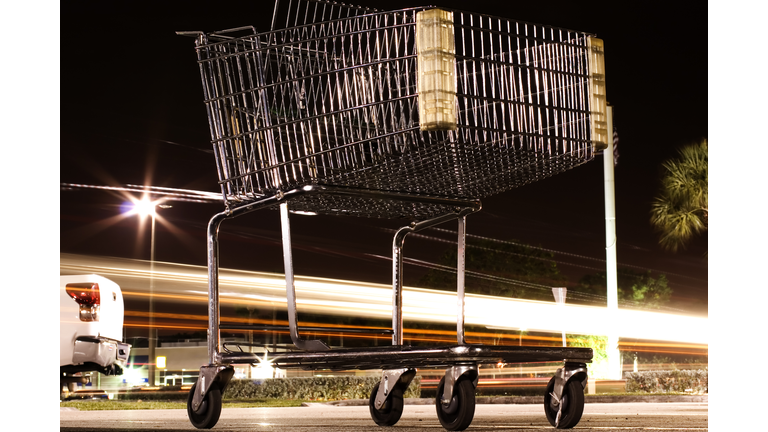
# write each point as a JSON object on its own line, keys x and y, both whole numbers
{"x": 132, "y": 113}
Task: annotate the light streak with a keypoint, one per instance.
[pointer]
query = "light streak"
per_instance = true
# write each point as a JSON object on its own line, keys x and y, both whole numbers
{"x": 349, "y": 298}
{"x": 410, "y": 334}
{"x": 657, "y": 344}
{"x": 166, "y": 326}
{"x": 662, "y": 351}
{"x": 168, "y": 194}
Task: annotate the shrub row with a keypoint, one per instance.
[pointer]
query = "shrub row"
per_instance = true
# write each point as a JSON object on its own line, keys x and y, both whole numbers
{"x": 311, "y": 388}
{"x": 695, "y": 381}
{"x": 163, "y": 393}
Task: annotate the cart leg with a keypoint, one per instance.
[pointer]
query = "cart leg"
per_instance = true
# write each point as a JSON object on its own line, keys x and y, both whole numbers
{"x": 293, "y": 316}
{"x": 204, "y": 400}
{"x": 397, "y": 270}
{"x": 461, "y": 242}
{"x": 397, "y": 285}
{"x": 213, "y": 286}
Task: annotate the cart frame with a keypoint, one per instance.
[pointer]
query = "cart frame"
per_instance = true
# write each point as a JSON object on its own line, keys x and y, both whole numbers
{"x": 299, "y": 128}
{"x": 398, "y": 362}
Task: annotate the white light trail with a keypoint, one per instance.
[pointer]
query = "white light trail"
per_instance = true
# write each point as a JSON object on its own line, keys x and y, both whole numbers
{"x": 349, "y": 298}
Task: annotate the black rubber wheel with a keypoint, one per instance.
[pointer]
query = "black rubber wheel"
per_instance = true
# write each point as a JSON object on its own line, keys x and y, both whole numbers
{"x": 459, "y": 413}
{"x": 390, "y": 413}
{"x": 573, "y": 404}
{"x": 207, "y": 415}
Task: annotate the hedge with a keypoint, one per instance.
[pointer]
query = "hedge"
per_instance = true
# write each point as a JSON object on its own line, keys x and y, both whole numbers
{"x": 163, "y": 393}
{"x": 695, "y": 381}
{"x": 311, "y": 388}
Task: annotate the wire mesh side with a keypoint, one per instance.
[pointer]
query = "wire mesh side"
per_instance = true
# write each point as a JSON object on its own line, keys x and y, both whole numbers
{"x": 294, "y": 13}
{"x": 309, "y": 102}
{"x": 335, "y": 103}
{"x": 522, "y": 82}
{"x": 523, "y": 109}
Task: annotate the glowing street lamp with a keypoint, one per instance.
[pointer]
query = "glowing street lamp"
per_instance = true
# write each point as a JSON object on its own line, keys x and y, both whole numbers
{"x": 144, "y": 208}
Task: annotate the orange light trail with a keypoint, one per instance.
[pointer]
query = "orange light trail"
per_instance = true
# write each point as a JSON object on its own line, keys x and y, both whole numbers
{"x": 662, "y": 344}
{"x": 410, "y": 334}
{"x": 667, "y": 351}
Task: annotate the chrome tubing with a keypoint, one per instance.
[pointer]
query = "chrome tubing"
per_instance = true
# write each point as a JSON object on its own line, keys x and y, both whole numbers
{"x": 214, "y": 335}
{"x": 460, "y": 264}
{"x": 293, "y": 316}
{"x": 397, "y": 268}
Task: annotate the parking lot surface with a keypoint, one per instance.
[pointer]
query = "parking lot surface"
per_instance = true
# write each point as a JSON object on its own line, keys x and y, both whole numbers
{"x": 321, "y": 417}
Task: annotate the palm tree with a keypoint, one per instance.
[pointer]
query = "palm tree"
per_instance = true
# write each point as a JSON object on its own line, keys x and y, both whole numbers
{"x": 681, "y": 209}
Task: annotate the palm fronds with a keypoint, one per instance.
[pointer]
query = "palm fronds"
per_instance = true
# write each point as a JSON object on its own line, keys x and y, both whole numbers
{"x": 681, "y": 210}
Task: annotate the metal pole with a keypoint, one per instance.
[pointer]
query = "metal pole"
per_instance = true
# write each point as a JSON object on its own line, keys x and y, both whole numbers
{"x": 397, "y": 270}
{"x": 290, "y": 288}
{"x": 214, "y": 334}
{"x": 152, "y": 332}
{"x": 614, "y": 357}
{"x": 460, "y": 264}
{"x": 397, "y": 285}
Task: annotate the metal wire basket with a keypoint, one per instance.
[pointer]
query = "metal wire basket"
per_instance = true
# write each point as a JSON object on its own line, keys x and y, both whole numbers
{"x": 333, "y": 100}
{"x": 416, "y": 113}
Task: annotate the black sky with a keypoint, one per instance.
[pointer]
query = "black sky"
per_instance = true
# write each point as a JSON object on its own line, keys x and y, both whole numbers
{"x": 132, "y": 112}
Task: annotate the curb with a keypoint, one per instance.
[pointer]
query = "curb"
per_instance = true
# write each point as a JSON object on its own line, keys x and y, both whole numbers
{"x": 521, "y": 400}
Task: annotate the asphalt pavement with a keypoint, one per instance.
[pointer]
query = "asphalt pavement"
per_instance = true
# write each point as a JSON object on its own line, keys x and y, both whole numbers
{"x": 540, "y": 399}
{"x": 417, "y": 416}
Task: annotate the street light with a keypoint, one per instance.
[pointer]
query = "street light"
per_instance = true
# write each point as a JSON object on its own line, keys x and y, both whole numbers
{"x": 143, "y": 208}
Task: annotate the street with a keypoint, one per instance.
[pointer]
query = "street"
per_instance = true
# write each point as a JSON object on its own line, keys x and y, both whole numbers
{"x": 496, "y": 417}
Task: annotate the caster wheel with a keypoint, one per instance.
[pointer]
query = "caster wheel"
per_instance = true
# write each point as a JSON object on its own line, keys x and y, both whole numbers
{"x": 458, "y": 414}
{"x": 573, "y": 405}
{"x": 390, "y": 412}
{"x": 207, "y": 415}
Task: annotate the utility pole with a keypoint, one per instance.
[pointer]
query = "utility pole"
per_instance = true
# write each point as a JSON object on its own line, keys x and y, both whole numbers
{"x": 611, "y": 279}
{"x": 559, "y": 294}
{"x": 152, "y": 331}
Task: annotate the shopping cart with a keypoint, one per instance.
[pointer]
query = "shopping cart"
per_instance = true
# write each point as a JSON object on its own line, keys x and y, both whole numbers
{"x": 412, "y": 114}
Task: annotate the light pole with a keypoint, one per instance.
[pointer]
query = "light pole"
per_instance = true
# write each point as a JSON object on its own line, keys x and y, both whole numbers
{"x": 144, "y": 208}
{"x": 611, "y": 275}
{"x": 152, "y": 331}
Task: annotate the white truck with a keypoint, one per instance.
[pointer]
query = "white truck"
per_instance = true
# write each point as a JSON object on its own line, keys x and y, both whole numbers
{"x": 91, "y": 328}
